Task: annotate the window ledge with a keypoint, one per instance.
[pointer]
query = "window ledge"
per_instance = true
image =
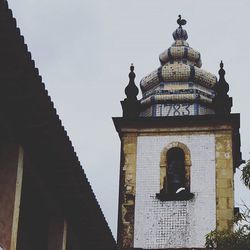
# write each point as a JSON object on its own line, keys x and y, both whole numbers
{"x": 182, "y": 196}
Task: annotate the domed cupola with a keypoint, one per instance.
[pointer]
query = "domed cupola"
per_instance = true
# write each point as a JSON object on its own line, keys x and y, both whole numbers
{"x": 179, "y": 86}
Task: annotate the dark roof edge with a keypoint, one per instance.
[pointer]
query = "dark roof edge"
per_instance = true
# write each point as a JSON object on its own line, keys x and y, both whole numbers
{"x": 144, "y": 122}
{"x": 41, "y": 92}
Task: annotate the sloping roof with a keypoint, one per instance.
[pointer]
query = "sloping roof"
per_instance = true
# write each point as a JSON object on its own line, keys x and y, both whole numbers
{"x": 28, "y": 116}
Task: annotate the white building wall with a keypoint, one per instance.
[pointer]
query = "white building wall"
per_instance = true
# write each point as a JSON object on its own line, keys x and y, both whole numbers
{"x": 174, "y": 224}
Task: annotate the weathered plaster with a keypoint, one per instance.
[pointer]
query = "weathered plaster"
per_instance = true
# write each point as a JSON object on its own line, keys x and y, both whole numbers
{"x": 127, "y": 191}
{"x": 174, "y": 224}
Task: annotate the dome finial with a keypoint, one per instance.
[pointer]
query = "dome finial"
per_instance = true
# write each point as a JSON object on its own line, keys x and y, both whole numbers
{"x": 180, "y": 33}
{"x": 132, "y": 67}
{"x": 130, "y": 105}
{"x": 131, "y": 90}
{"x": 221, "y": 64}
{"x": 222, "y": 72}
{"x": 180, "y": 21}
{"x": 222, "y": 102}
{"x": 131, "y": 74}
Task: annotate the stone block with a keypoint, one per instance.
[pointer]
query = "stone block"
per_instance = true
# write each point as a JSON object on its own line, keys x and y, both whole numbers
{"x": 223, "y": 162}
{"x": 222, "y": 225}
{"x": 224, "y": 193}
{"x": 225, "y": 214}
{"x": 223, "y": 173}
{"x": 224, "y": 183}
{"x": 230, "y": 203}
{"x": 222, "y": 203}
{"x": 129, "y": 148}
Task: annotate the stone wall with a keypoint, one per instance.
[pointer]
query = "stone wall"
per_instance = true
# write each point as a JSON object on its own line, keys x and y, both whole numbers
{"x": 224, "y": 181}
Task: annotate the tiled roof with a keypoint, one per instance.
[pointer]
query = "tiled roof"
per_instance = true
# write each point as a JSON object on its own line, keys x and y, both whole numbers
{"x": 28, "y": 117}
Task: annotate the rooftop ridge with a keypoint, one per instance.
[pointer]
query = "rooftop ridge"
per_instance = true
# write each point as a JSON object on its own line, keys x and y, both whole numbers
{"x": 31, "y": 115}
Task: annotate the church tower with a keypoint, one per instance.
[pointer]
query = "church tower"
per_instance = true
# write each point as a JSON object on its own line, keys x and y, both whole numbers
{"x": 180, "y": 146}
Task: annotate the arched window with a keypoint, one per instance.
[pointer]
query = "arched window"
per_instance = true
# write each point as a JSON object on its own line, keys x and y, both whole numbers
{"x": 175, "y": 176}
{"x": 175, "y": 172}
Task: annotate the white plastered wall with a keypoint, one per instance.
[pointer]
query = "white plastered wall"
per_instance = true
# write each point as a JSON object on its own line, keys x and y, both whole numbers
{"x": 174, "y": 224}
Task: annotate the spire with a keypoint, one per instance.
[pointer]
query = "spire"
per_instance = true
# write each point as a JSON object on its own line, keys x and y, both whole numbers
{"x": 131, "y": 90}
{"x": 223, "y": 86}
{"x": 130, "y": 105}
{"x": 222, "y": 102}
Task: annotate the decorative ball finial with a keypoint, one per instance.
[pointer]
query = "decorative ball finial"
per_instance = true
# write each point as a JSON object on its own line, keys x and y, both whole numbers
{"x": 131, "y": 74}
{"x": 222, "y": 73}
{"x": 222, "y": 102}
{"x": 131, "y": 90}
{"x": 132, "y": 67}
{"x": 223, "y": 85}
{"x": 130, "y": 105}
{"x": 221, "y": 64}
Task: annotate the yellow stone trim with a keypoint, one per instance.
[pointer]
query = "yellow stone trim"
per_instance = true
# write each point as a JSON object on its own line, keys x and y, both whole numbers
{"x": 224, "y": 180}
{"x": 128, "y": 175}
{"x": 179, "y": 130}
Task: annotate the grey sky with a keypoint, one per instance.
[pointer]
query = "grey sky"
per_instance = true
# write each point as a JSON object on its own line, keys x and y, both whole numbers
{"x": 83, "y": 50}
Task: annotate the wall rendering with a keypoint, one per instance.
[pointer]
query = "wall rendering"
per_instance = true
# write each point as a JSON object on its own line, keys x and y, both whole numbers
{"x": 162, "y": 224}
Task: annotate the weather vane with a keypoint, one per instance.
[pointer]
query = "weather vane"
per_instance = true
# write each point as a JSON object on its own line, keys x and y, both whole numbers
{"x": 181, "y": 21}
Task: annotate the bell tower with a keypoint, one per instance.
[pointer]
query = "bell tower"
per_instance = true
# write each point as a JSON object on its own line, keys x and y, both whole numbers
{"x": 180, "y": 146}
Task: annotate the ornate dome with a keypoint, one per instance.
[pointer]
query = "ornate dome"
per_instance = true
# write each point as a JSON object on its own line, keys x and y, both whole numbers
{"x": 180, "y": 34}
{"x": 179, "y": 82}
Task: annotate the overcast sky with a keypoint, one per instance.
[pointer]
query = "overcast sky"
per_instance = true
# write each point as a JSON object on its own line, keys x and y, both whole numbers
{"x": 83, "y": 50}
